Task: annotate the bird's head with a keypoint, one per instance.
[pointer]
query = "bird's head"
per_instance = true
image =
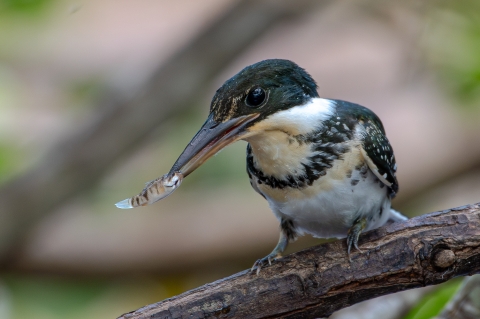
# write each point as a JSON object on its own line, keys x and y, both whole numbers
{"x": 245, "y": 102}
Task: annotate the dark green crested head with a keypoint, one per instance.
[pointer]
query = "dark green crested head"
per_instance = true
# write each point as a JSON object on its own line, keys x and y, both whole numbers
{"x": 264, "y": 87}
{"x": 256, "y": 92}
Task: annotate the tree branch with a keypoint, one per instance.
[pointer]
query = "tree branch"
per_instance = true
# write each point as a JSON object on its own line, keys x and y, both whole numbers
{"x": 419, "y": 252}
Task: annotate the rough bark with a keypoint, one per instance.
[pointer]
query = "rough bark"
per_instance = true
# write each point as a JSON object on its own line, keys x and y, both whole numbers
{"x": 81, "y": 161}
{"x": 313, "y": 283}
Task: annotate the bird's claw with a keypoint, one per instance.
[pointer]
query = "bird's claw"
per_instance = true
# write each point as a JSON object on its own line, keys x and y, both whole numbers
{"x": 353, "y": 235}
{"x": 263, "y": 262}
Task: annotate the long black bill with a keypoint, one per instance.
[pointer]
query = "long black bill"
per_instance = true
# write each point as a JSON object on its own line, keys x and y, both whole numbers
{"x": 211, "y": 138}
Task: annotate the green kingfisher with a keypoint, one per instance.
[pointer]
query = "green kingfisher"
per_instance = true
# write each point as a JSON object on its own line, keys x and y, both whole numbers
{"x": 325, "y": 166}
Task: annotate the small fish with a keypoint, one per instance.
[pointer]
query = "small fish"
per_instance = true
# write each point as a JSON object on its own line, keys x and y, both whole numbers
{"x": 154, "y": 191}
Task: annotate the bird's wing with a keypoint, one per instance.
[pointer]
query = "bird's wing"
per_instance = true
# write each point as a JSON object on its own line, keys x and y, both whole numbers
{"x": 376, "y": 148}
{"x": 378, "y": 152}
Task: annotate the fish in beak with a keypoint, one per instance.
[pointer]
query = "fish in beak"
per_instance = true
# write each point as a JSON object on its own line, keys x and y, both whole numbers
{"x": 211, "y": 138}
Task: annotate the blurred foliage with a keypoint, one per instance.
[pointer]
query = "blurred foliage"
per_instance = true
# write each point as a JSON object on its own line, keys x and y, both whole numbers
{"x": 10, "y": 159}
{"x": 433, "y": 303}
{"x": 52, "y": 295}
{"x": 23, "y": 6}
{"x": 454, "y": 48}
{"x": 84, "y": 93}
{"x": 55, "y": 297}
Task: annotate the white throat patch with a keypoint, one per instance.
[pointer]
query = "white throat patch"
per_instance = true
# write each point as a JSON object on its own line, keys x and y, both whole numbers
{"x": 301, "y": 119}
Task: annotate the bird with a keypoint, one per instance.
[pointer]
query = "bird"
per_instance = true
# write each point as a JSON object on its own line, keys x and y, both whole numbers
{"x": 325, "y": 166}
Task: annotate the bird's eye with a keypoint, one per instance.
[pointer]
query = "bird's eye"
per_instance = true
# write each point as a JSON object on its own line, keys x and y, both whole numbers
{"x": 256, "y": 97}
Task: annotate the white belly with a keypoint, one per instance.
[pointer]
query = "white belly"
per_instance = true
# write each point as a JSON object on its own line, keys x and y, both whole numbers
{"x": 329, "y": 207}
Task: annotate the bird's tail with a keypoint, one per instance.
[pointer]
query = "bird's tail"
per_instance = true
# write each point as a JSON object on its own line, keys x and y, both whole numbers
{"x": 396, "y": 216}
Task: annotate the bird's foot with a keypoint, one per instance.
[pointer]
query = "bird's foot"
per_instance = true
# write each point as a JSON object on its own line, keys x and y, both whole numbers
{"x": 264, "y": 261}
{"x": 354, "y": 234}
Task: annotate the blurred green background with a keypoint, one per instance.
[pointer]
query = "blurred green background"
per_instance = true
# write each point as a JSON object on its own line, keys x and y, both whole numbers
{"x": 69, "y": 68}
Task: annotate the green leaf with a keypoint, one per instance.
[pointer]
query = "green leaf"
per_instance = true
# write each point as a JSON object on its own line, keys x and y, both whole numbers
{"x": 433, "y": 303}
